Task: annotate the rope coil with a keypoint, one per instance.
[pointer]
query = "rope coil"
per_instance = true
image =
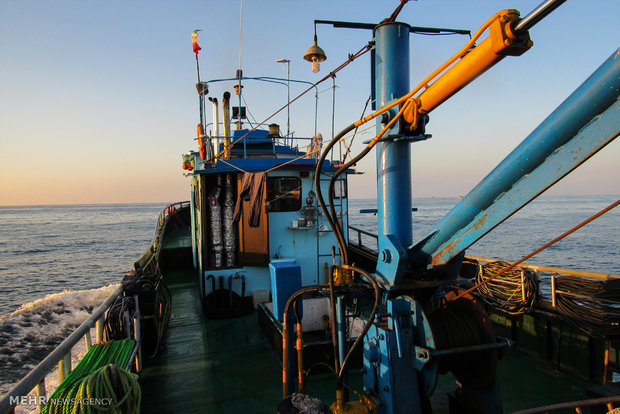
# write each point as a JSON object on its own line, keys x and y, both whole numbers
{"x": 515, "y": 290}
{"x": 590, "y": 305}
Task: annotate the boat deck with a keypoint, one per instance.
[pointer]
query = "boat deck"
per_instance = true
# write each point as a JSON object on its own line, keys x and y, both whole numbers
{"x": 229, "y": 366}
{"x": 232, "y": 369}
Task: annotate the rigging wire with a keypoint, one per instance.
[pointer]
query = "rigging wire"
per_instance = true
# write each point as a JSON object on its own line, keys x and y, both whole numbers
{"x": 240, "y": 33}
{"x": 540, "y": 249}
{"x": 348, "y": 148}
{"x": 350, "y": 59}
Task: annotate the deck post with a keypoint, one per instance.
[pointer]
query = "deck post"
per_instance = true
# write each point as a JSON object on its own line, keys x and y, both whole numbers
{"x": 40, "y": 393}
{"x": 99, "y": 326}
{"x": 391, "y": 81}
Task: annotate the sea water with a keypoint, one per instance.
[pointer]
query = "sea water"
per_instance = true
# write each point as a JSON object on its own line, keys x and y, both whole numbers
{"x": 57, "y": 263}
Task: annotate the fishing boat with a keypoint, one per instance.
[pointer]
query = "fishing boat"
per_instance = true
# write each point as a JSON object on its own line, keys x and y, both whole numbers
{"x": 257, "y": 295}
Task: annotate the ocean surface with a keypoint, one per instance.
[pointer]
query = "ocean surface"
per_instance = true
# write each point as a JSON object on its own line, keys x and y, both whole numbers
{"x": 57, "y": 262}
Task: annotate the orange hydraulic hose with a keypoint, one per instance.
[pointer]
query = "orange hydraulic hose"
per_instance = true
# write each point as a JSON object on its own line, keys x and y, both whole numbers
{"x": 433, "y": 75}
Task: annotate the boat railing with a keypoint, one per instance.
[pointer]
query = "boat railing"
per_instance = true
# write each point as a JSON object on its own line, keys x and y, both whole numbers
{"x": 360, "y": 240}
{"x": 575, "y": 406}
{"x": 148, "y": 260}
{"x": 294, "y": 146}
{"x": 368, "y": 242}
{"x": 364, "y": 239}
{"x": 61, "y": 357}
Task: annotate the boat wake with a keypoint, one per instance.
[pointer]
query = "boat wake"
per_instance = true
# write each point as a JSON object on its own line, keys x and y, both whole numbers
{"x": 30, "y": 333}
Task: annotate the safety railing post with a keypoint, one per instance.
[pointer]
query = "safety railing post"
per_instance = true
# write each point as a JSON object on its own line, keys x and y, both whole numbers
{"x": 99, "y": 327}
{"x": 40, "y": 393}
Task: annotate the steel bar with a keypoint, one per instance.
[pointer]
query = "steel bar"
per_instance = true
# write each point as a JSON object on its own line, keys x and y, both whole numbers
{"x": 570, "y": 405}
{"x": 40, "y": 393}
{"x": 585, "y": 122}
{"x": 541, "y": 248}
{"x": 557, "y": 270}
{"x": 474, "y": 348}
{"x": 88, "y": 340}
{"x": 538, "y": 14}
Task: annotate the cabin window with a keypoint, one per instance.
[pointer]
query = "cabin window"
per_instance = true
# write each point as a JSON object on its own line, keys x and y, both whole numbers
{"x": 340, "y": 189}
{"x": 283, "y": 194}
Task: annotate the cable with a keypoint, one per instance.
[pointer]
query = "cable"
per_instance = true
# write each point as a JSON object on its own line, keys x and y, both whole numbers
{"x": 590, "y": 305}
{"x": 346, "y": 153}
{"x": 338, "y": 231}
{"x": 319, "y": 192}
{"x": 515, "y": 291}
{"x": 541, "y": 248}
{"x": 351, "y": 58}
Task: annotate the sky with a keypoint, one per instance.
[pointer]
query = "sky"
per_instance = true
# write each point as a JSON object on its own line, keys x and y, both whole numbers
{"x": 97, "y": 99}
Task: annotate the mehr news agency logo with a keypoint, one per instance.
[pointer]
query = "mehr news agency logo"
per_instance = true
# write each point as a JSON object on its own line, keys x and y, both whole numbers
{"x": 33, "y": 400}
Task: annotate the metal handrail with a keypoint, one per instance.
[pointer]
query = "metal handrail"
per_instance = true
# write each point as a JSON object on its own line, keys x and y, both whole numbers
{"x": 536, "y": 268}
{"x": 556, "y": 270}
{"x": 614, "y": 399}
{"x": 359, "y": 236}
{"x": 152, "y": 251}
{"x": 58, "y": 355}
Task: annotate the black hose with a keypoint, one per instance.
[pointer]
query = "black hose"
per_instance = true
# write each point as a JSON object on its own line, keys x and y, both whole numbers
{"x": 336, "y": 227}
{"x": 317, "y": 182}
{"x": 367, "y": 326}
{"x": 590, "y": 305}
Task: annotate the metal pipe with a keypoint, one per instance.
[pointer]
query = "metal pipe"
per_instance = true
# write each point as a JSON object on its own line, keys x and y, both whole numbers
{"x": 226, "y": 120}
{"x": 88, "y": 340}
{"x": 558, "y": 270}
{"x": 393, "y": 158}
{"x": 137, "y": 331}
{"x": 285, "y": 375}
{"x": 537, "y": 14}
{"x": 593, "y": 97}
{"x": 44, "y": 367}
{"x": 99, "y": 329}
{"x": 343, "y": 342}
{"x": 554, "y": 301}
{"x": 299, "y": 345}
{"x": 40, "y": 393}
{"x": 474, "y": 348}
{"x": 216, "y": 125}
{"x": 571, "y": 405}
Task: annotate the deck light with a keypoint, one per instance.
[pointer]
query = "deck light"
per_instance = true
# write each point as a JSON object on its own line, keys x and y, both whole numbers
{"x": 315, "y": 54}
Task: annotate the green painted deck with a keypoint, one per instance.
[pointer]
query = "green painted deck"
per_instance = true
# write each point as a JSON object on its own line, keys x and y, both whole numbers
{"x": 228, "y": 366}
{"x": 209, "y": 366}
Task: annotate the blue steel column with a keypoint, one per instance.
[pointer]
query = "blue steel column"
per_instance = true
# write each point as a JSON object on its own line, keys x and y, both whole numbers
{"x": 343, "y": 343}
{"x": 460, "y": 228}
{"x": 391, "y": 68}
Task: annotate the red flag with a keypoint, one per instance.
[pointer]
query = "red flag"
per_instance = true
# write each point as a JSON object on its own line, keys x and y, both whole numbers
{"x": 195, "y": 41}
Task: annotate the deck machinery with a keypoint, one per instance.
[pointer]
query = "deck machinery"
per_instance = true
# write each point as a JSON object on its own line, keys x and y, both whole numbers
{"x": 418, "y": 326}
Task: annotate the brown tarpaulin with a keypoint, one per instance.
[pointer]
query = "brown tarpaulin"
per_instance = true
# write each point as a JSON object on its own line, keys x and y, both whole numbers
{"x": 251, "y": 189}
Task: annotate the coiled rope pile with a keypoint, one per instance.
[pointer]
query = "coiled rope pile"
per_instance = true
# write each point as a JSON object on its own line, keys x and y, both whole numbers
{"x": 514, "y": 290}
{"x": 590, "y": 305}
{"x": 95, "y": 387}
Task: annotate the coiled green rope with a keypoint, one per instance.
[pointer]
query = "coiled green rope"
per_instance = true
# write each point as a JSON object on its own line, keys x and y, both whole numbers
{"x": 88, "y": 388}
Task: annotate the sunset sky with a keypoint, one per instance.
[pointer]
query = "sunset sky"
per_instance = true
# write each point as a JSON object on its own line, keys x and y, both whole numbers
{"x": 97, "y": 99}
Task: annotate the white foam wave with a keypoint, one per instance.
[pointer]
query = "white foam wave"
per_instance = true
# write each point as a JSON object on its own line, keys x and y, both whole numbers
{"x": 36, "y": 328}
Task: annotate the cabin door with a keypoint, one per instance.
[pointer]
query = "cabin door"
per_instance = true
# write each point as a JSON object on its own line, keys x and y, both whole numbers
{"x": 253, "y": 241}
